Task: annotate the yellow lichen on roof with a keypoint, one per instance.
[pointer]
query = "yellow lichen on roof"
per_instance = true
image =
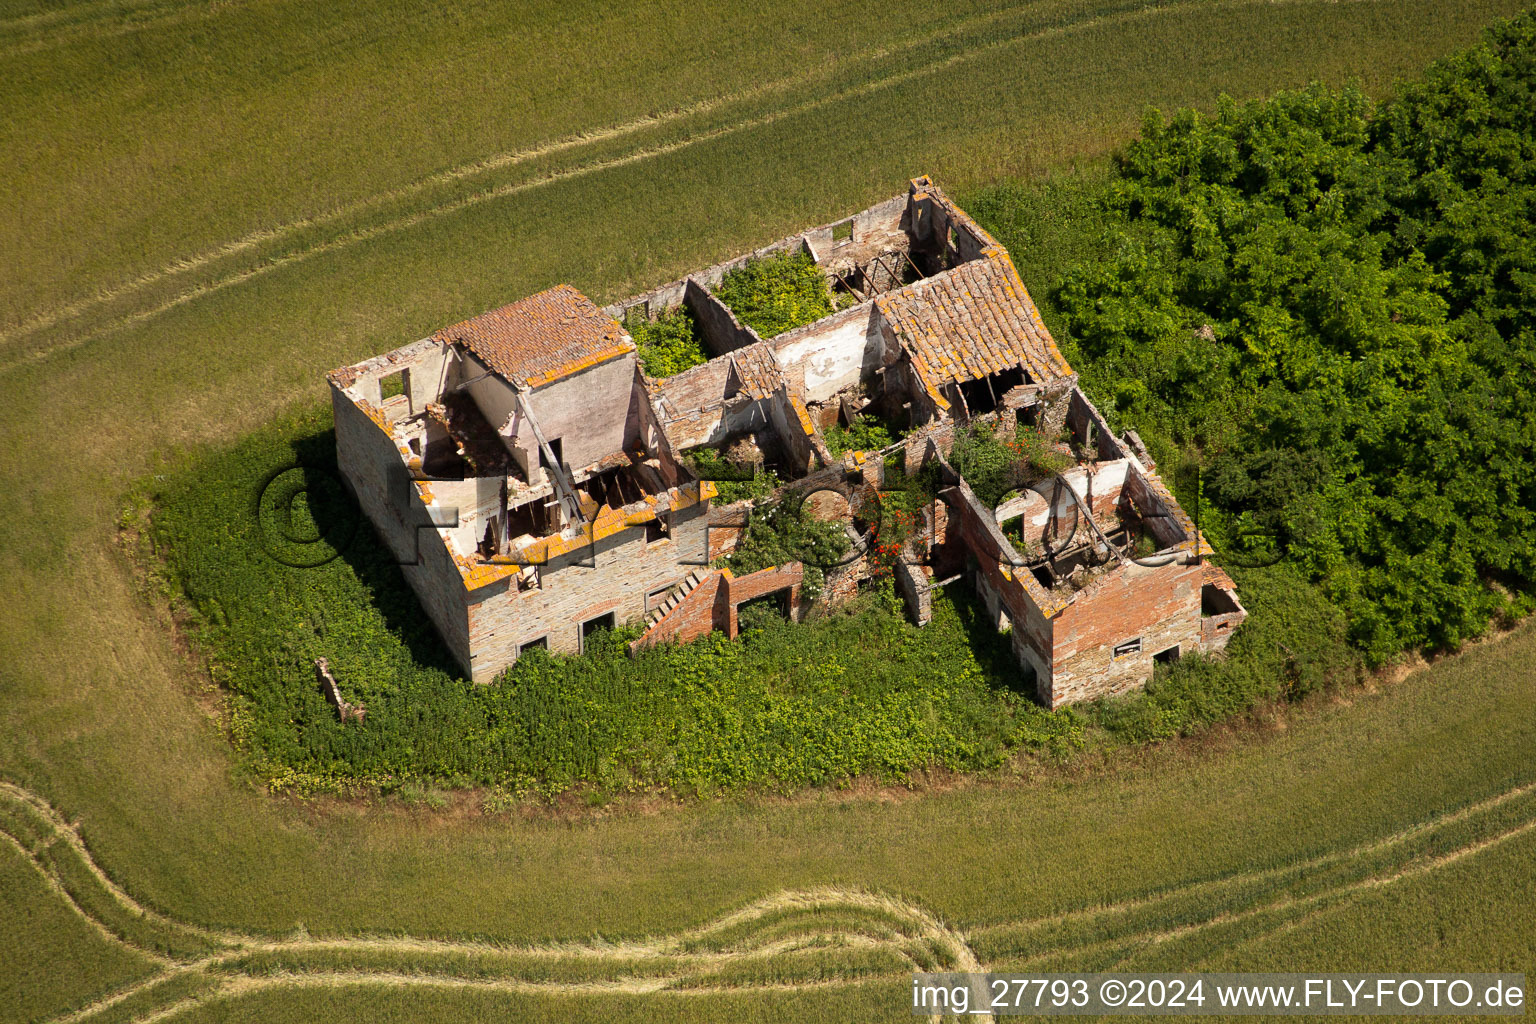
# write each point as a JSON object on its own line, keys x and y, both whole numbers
{"x": 570, "y": 369}
{"x": 971, "y": 322}
{"x": 801, "y": 411}
{"x": 374, "y": 413}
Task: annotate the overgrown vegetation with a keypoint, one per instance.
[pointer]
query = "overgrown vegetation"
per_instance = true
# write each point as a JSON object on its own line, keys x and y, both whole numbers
{"x": 1326, "y": 304}
{"x": 995, "y": 466}
{"x": 866, "y": 435}
{"x": 669, "y": 344}
{"x": 776, "y": 293}
{"x": 785, "y": 531}
{"x": 732, "y": 482}
{"x": 858, "y": 692}
{"x": 1293, "y": 644}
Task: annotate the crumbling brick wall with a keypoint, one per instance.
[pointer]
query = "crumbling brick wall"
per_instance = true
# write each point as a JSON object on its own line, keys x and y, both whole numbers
{"x": 616, "y": 574}
{"x": 1159, "y": 606}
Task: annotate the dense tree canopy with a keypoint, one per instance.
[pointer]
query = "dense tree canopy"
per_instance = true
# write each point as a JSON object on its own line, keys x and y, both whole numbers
{"x": 1328, "y": 304}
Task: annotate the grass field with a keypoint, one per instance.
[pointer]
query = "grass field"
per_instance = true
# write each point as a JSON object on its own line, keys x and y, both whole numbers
{"x": 210, "y": 205}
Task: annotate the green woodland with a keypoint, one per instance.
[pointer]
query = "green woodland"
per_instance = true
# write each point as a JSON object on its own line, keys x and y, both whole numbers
{"x": 1316, "y": 310}
{"x": 1327, "y": 304}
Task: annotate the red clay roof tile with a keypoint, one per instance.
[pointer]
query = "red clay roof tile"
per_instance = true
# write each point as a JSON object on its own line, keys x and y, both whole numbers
{"x": 541, "y": 338}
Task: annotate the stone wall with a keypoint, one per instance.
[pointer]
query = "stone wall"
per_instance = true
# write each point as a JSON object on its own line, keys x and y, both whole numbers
{"x": 721, "y": 331}
{"x": 614, "y": 575}
{"x": 915, "y": 584}
{"x": 1159, "y": 606}
{"x": 372, "y": 467}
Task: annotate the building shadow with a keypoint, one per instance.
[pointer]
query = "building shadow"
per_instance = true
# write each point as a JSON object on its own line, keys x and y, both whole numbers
{"x": 341, "y": 521}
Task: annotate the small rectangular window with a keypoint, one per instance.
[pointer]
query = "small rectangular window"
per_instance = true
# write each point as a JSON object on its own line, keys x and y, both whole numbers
{"x": 541, "y": 644}
{"x": 656, "y": 531}
{"x": 1127, "y": 648}
{"x": 393, "y": 386}
{"x": 843, "y": 232}
{"x": 605, "y": 621}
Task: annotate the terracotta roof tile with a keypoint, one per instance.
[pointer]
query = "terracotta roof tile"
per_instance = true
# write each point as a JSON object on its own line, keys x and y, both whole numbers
{"x": 758, "y": 369}
{"x": 541, "y": 338}
{"x": 1212, "y": 573}
{"x": 971, "y": 322}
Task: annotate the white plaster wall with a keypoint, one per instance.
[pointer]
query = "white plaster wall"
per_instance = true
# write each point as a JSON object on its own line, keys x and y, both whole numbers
{"x": 833, "y": 351}
{"x": 587, "y": 411}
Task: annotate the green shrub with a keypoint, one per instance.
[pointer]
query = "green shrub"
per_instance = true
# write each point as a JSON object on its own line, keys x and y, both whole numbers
{"x": 993, "y": 467}
{"x": 784, "y": 531}
{"x": 866, "y": 435}
{"x": 731, "y": 482}
{"x": 776, "y": 293}
{"x": 1327, "y": 303}
{"x": 669, "y": 344}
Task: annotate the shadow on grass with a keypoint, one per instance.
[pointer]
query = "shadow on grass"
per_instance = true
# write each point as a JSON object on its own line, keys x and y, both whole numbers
{"x": 993, "y": 649}
{"x": 337, "y": 515}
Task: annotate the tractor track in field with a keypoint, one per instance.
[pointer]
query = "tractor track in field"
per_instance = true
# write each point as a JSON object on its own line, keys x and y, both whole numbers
{"x": 254, "y": 241}
{"x": 765, "y": 935}
{"x": 468, "y": 171}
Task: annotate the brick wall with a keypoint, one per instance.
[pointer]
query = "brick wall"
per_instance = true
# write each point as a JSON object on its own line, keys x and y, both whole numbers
{"x": 741, "y": 589}
{"x": 616, "y": 576}
{"x": 700, "y": 612}
{"x": 1161, "y": 606}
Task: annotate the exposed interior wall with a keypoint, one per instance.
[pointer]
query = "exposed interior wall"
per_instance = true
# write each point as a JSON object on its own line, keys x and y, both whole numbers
{"x": 856, "y": 239}
{"x": 614, "y": 575}
{"x": 1053, "y": 518}
{"x": 833, "y": 353}
{"x": 1161, "y": 521}
{"x": 798, "y": 436}
{"x": 470, "y": 504}
{"x": 370, "y": 463}
{"x": 580, "y": 411}
{"x": 693, "y": 409}
{"x": 942, "y": 228}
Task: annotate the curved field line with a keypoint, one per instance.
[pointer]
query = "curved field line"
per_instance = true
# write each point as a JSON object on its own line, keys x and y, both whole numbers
{"x": 343, "y": 979}
{"x": 369, "y": 233}
{"x": 57, "y": 888}
{"x": 1300, "y": 867}
{"x": 476, "y": 168}
{"x": 895, "y": 926}
{"x": 1318, "y": 901}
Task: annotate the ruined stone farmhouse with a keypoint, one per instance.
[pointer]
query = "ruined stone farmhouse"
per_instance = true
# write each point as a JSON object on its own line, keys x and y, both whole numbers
{"x": 536, "y": 485}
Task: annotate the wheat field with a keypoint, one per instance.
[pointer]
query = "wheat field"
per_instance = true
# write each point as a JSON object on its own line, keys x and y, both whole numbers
{"x": 209, "y": 205}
